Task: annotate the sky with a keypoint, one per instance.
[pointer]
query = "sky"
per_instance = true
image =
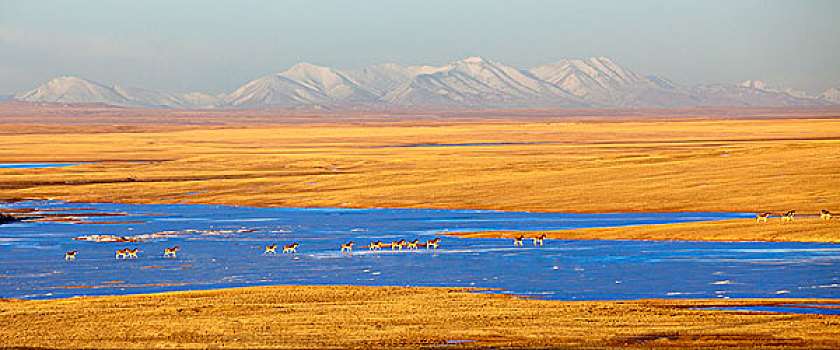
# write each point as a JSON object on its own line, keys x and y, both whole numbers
{"x": 217, "y": 46}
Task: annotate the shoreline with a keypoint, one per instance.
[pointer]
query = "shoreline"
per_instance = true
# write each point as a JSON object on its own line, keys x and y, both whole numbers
{"x": 489, "y": 292}
{"x": 386, "y": 207}
{"x": 805, "y": 229}
{"x": 199, "y": 201}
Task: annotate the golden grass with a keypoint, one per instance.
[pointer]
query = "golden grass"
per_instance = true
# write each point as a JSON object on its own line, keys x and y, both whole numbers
{"x": 753, "y": 165}
{"x": 810, "y": 229}
{"x": 392, "y": 317}
{"x": 696, "y": 165}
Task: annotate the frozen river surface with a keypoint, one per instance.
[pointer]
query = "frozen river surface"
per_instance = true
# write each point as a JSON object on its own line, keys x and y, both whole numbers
{"x": 222, "y": 246}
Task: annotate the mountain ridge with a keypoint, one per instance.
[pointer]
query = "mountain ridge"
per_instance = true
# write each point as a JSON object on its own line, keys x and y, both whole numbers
{"x": 473, "y": 82}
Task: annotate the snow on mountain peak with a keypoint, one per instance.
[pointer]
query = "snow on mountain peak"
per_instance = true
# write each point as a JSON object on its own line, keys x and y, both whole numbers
{"x": 302, "y": 83}
{"x": 476, "y": 81}
{"x": 71, "y": 82}
{"x": 755, "y": 84}
{"x": 69, "y": 79}
{"x": 73, "y": 89}
{"x": 597, "y": 79}
{"x": 831, "y": 95}
{"x": 760, "y": 85}
{"x": 473, "y": 59}
{"x": 472, "y": 82}
{"x": 70, "y": 89}
{"x": 304, "y": 67}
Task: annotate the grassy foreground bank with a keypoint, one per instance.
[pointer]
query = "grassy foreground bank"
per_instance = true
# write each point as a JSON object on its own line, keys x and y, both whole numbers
{"x": 391, "y": 317}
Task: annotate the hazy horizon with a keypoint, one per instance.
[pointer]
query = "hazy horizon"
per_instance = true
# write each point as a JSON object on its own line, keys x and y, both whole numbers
{"x": 215, "y": 47}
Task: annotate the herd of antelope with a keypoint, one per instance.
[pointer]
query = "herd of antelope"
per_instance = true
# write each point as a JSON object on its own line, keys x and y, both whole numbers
{"x": 538, "y": 240}
{"x": 126, "y": 253}
{"x": 395, "y": 245}
{"x": 788, "y": 216}
{"x": 400, "y": 245}
{"x": 348, "y": 247}
{"x": 408, "y": 245}
{"x": 287, "y": 249}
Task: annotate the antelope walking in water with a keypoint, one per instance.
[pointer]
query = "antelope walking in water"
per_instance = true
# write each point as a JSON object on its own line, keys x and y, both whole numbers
{"x": 413, "y": 244}
{"x": 788, "y": 216}
{"x": 433, "y": 243}
{"x": 375, "y": 245}
{"x": 518, "y": 240}
{"x": 398, "y": 244}
{"x": 121, "y": 254}
{"x": 538, "y": 241}
{"x": 131, "y": 253}
{"x": 170, "y": 252}
{"x": 70, "y": 255}
{"x": 762, "y": 217}
{"x": 270, "y": 250}
{"x": 291, "y": 248}
{"x": 825, "y": 215}
{"x": 347, "y": 247}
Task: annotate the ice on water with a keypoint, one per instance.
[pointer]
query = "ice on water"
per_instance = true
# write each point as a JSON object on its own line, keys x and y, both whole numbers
{"x": 32, "y": 254}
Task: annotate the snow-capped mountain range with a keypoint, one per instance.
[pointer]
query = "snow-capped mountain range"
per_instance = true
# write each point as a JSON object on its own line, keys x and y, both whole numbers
{"x": 469, "y": 83}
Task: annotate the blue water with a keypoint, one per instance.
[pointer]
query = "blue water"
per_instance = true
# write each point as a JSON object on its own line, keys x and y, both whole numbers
{"x": 32, "y": 254}
{"x": 36, "y": 165}
{"x": 783, "y": 309}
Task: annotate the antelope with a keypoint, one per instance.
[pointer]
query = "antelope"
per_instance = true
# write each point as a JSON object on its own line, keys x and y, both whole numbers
{"x": 347, "y": 247}
{"x": 398, "y": 244}
{"x": 170, "y": 252}
{"x": 432, "y": 243}
{"x": 375, "y": 245}
{"x": 539, "y": 240}
{"x": 70, "y": 255}
{"x": 825, "y": 215}
{"x": 270, "y": 250}
{"x": 762, "y": 217}
{"x": 413, "y": 244}
{"x": 788, "y": 216}
{"x": 132, "y": 253}
{"x": 121, "y": 254}
{"x": 518, "y": 240}
{"x": 291, "y": 248}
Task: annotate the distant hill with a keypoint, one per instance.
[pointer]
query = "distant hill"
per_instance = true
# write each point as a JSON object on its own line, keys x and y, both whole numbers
{"x": 474, "y": 83}
{"x": 74, "y": 89}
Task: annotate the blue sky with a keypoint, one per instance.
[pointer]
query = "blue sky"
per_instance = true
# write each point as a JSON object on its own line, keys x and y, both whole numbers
{"x": 216, "y": 46}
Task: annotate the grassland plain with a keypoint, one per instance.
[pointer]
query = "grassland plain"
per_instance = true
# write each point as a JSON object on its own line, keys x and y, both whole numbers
{"x": 743, "y": 160}
{"x": 744, "y": 165}
{"x": 392, "y": 317}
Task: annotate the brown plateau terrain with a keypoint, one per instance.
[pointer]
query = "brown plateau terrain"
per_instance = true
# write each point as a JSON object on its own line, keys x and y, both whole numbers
{"x": 554, "y": 165}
